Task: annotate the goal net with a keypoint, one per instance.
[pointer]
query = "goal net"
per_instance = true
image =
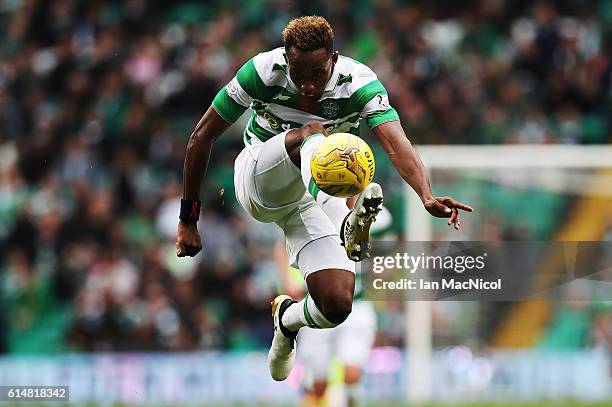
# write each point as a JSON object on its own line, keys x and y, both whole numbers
{"x": 538, "y": 193}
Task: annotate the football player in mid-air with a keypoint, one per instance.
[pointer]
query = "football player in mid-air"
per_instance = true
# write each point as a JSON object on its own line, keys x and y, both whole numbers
{"x": 329, "y": 354}
{"x": 300, "y": 93}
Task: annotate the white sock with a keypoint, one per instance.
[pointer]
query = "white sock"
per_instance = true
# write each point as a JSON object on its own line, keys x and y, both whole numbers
{"x": 305, "y": 313}
{"x": 334, "y": 208}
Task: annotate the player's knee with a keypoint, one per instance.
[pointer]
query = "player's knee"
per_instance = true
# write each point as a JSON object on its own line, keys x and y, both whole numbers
{"x": 313, "y": 127}
{"x": 338, "y": 308}
{"x": 295, "y": 137}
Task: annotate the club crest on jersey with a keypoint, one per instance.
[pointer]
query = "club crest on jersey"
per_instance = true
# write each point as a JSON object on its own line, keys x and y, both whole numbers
{"x": 330, "y": 108}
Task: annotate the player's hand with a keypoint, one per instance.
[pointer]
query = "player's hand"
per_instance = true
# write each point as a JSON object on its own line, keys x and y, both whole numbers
{"x": 447, "y": 207}
{"x": 188, "y": 241}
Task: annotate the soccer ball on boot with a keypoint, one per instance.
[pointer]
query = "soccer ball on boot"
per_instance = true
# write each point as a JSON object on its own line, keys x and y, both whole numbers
{"x": 342, "y": 165}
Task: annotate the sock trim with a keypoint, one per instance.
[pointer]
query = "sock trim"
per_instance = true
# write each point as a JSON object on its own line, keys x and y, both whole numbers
{"x": 313, "y": 189}
{"x": 308, "y": 138}
{"x": 309, "y": 319}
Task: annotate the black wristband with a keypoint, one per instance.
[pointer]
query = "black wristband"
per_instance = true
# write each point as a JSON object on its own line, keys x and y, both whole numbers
{"x": 190, "y": 211}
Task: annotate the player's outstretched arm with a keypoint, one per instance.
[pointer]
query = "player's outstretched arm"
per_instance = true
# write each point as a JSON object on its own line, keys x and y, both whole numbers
{"x": 407, "y": 162}
{"x": 208, "y": 129}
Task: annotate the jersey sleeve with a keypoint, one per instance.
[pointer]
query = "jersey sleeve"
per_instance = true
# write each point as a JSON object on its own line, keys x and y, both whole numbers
{"x": 229, "y": 103}
{"x": 373, "y": 101}
{"x": 378, "y": 110}
{"x": 233, "y": 99}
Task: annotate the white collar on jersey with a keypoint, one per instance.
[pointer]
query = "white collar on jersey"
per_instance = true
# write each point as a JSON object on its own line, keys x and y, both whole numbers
{"x": 290, "y": 85}
{"x": 333, "y": 80}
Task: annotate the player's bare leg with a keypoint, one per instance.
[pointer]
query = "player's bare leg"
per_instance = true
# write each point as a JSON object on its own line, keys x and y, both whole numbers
{"x": 330, "y": 297}
{"x": 327, "y": 304}
{"x": 332, "y": 291}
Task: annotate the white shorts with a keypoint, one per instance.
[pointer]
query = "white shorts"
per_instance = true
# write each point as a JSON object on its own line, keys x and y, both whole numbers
{"x": 269, "y": 187}
{"x": 350, "y": 342}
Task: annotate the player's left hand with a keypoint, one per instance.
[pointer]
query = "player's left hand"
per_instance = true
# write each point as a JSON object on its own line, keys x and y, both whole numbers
{"x": 447, "y": 207}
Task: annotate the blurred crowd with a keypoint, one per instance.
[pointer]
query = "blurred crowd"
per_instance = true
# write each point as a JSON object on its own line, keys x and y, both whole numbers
{"x": 97, "y": 101}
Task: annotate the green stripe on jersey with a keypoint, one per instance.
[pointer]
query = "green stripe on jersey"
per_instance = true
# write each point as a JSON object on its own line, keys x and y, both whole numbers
{"x": 275, "y": 122}
{"x": 363, "y": 95}
{"x": 227, "y": 108}
{"x": 378, "y": 118}
{"x": 335, "y": 108}
{"x": 265, "y": 84}
{"x": 251, "y": 82}
{"x": 254, "y": 127}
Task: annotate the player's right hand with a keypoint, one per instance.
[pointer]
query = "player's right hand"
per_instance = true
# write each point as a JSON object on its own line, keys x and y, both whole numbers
{"x": 188, "y": 241}
{"x": 447, "y": 207}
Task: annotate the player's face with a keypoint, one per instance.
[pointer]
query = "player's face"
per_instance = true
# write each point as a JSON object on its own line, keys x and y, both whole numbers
{"x": 310, "y": 70}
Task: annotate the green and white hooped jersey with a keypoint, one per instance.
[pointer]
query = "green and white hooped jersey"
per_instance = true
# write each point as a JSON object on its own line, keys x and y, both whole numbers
{"x": 263, "y": 84}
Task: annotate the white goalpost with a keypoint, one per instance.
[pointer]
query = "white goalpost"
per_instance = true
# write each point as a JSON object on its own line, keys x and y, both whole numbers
{"x": 545, "y": 161}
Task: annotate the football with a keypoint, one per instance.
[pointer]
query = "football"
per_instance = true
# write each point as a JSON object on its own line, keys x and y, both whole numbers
{"x": 342, "y": 165}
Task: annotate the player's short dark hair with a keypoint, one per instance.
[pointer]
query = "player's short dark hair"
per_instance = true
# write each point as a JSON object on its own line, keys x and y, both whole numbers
{"x": 309, "y": 33}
